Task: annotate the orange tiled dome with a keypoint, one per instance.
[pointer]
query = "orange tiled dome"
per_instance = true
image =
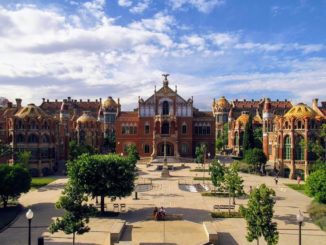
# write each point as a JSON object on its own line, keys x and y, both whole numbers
{"x": 222, "y": 102}
{"x": 301, "y": 111}
{"x": 244, "y": 118}
{"x": 32, "y": 111}
{"x": 86, "y": 117}
{"x": 109, "y": 102}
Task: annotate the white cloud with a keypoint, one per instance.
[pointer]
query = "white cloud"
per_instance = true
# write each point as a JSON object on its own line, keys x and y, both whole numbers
{"x": 125, "y": 3}
{"x": 159, "y": 23}
{"x": 140, "y": 7}
{"x": 204, "y": 6}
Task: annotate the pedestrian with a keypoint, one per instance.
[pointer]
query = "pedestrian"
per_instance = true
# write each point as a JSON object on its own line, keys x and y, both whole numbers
{"x": 299, "y": 179}
{"x": 276, "y": 180}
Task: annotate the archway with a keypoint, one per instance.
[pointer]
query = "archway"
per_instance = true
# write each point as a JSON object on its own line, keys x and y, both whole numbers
{"x": 169, "y": 149}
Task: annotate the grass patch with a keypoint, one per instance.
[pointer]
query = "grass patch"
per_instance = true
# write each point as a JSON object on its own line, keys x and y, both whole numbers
{"x": 202, "y": 178}
{"x": 317, "y": 212}
{"x": 199, "y": 170}
{"x": 215, "y": 194}
{"x": 8, "y": 215}
{"x": 39, "y": 182}
{"x": 300, "y": 188}
{"x": 226, "y": 214}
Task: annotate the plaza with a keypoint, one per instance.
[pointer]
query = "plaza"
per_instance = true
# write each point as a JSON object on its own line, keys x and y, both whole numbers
{"x": 192, "y": 207}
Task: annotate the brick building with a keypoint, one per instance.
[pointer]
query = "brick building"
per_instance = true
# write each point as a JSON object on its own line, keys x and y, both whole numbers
{"x": 165, "y": 117}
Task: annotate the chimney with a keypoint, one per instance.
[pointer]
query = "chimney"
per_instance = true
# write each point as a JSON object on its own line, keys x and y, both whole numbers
{"x": 19, "y": 103}
{"x": 88, "y": 100}
{"x": 9, "y": 104}
{"x": 47, "y": 100}
{"x": 80, "y": 100}
{"x": 56, "y": 100}
{"x": 69, "y": 98}
{"x": 43, "y": 100}
{"x": 315, "y": 103}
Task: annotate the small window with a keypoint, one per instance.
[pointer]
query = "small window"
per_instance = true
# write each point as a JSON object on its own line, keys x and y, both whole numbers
{"x": 146, "y": 129}
{"x": 184, "y": 129}
{"x": 146, "y": 148}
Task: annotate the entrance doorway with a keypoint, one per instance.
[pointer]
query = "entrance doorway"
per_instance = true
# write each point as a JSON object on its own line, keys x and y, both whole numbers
{"x": 169, "y": 149}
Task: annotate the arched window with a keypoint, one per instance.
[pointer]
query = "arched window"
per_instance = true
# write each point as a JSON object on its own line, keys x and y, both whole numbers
{"x": 82, "y": 137}
{"x": 184, "y": 128}
{"x": 165, "y": 108}
{"x": 236, "y": 139}
{"x": 19, "y": 124}
{"x": 299, "y": 124}
{"x": 287, "y": 147}
{"x": 45, "y": 138}
{"x": 286, "y": 125}
{"x": 146, "y": 148}
{"x": 32, "y": 138}
{"x": 299, "y": 148}
{"x": 20, "y": 138}
{"x": 33, "y": 125}
{"x": 45, "y": 125}
{"x": 165, "y": 128}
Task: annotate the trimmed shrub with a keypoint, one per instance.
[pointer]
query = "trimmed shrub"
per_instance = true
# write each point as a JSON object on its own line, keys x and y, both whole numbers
{"x": 316, "y": 185}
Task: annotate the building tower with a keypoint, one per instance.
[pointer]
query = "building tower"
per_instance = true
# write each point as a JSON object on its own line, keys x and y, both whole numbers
{"x": 267, "y": 125}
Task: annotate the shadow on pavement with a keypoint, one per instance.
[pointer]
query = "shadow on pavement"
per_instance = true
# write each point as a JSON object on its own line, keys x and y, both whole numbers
{"x": 226, "y": 238}
{"x": 193, "y": 215}
{"x": 290, "y": 219}
{"x": 17, "y": 233}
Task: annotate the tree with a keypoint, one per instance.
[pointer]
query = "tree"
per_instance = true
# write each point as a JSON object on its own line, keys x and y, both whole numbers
{"x": 5, "y": 150}
{"x": 75, "y": 150}
{"x": 103, "y": 175}
{"x": 200, "y": 153}
{"x": 110, "y": 141}
{"x": 258, "y": 137}
{"x": 259, "y": 214}
{"x": 14, "y": 180}
{"x": 222, "y": 139}
{"x": 248, "y": 136}
{"x": 23, "y": 158}
{"x": 76, "y": 215}
{"x": 132, "y": 153}
{"x": 316, "y": 185}
{"x": 255, "y": 157}
{"x": 217, "y": 173}
{"x": 233, "y": 182}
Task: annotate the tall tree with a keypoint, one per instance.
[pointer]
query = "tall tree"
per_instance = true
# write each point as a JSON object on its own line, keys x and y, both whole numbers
{"x": 217, "y": 173}
{"x": 256, "y": 157}
{"x": 259, "y": 214}
{"x": 77, "y": 212}
{"x": 14, "y": 180}
{"x": 248, "y": 136}
{"x": 24, "y": 157}
{"x": 258, "y": 137}
{"x": 103, "y": 175}
{"x": 233, "y": 181}
{"x": 75, "y": 150}
{"x": 132, "y": 152}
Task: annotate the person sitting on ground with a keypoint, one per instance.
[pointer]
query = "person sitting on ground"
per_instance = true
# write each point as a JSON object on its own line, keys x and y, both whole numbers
{"x": 155, "y": 212}
{"x": 162, "y": 212}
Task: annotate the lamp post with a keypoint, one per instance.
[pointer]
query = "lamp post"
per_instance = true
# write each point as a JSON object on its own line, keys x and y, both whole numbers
{"x": 209, "y": 157}
{"x": 300, "y": 221}
{"x": 29, "y": 217}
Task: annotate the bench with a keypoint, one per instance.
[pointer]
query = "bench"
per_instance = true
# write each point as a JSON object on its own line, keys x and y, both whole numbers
{"x": 219, "y": 207}
{"x": 122, "y": 207}
{"x": 116, "y": 232}
{"x": 115, "y": 207}
{"x": 210, "y": 232}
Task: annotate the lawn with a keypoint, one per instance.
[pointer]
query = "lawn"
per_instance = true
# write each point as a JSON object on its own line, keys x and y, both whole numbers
{"x": 39, "y": 182}
{"x": 8, "y": 215}
{"x": 300, "y": 188}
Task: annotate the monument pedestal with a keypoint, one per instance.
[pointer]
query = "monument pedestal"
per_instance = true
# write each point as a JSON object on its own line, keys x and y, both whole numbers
{"x": 165, "y": 172}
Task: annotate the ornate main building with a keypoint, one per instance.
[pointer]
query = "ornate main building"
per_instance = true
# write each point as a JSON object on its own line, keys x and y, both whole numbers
{"x": 164, "y": 118}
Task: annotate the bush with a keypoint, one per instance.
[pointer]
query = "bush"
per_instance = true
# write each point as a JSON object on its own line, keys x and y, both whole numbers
{"x": 317, "y": 212}
{"x": 316, "y": 185}
{"x": 255, "y": 157}
{"x": 226, "y": 214}
{"x": 34, "y": 172}
{"x": 245, "y": 167}
{"x": 47, "y": 171}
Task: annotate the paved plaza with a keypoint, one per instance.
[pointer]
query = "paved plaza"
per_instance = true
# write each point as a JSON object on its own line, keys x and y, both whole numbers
{"x": 194, "y": 208}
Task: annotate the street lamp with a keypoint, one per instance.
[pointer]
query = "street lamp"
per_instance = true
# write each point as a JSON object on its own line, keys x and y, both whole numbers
{"x": 209, "y": 157}
{"x": 300, "y": 221}
{"x": 29, "y": 217}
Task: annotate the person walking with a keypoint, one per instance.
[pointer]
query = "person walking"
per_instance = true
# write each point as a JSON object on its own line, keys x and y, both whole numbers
{"x": 276, "y": 180}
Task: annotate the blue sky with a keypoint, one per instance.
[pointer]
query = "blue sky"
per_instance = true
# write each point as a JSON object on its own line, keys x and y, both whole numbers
{"x": 96, "y": 48}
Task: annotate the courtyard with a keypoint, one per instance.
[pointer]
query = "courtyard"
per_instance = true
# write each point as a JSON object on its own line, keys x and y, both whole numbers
{"x": 192, "y": 207}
